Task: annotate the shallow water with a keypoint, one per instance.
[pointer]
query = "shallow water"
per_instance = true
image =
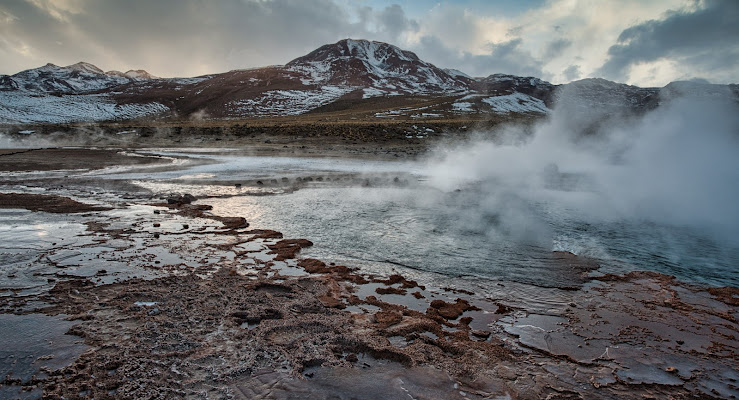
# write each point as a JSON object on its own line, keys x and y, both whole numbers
{"x": 472, "y": 232}
{"x": 30, "y": 343}
{"x": 385, "y": 216}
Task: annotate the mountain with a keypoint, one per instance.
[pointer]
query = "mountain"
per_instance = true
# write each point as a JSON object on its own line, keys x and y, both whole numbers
{"x": 77, "y": 92}
{"x": 378, "y": 68}
{"x": 72, "y": 79}
{"x": 136, "y": 75}
{"x": 349, "y": 79}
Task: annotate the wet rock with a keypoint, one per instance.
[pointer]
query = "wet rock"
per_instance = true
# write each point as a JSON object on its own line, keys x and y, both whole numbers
{"x": 288, "y": 248}
{"x": 386, "y": 319}
{"x": 264, "y": 234}
{"x": 331, "y": 301}
{"x": 390, "y": 290}
{"x": 480, "y": 334}
{"x": 256, "y": 316}
{"x": 186, "y": 198}
{"x": 404, "y": 283}
{"x": 728, "y": 295}
{"x": 47, "y": 203}
{"x": 450, "y": 310}
{"x": 313, "y": 266}
{"x": 502, "y": 309}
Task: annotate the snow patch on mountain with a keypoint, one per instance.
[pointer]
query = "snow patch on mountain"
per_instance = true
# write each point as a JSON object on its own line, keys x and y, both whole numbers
{"x": 456, "y": 73}
{"x": 516, "y": 103}
{"x": 18, "y": 107}
{"x": 463, "y": 106}
{"x": 286, "y": 102}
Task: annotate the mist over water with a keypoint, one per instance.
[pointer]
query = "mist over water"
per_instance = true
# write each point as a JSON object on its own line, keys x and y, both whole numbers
{"x": 677, "y": 165}
{"x": 656, "y": 191}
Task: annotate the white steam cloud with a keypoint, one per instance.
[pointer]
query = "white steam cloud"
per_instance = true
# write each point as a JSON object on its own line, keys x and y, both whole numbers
{"x": 676, "y": 165}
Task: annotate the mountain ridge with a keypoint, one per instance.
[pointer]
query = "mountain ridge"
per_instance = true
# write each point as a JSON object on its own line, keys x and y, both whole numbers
{"x": 347, "y": 75}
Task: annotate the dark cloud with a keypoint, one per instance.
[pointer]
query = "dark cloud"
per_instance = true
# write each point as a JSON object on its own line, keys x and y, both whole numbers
{"x": 190, "y": 37}
{"x": 572, "y": 73}
{"x": 507, "y": 58}
{"x": 393, "y": 21}
{"x": 705, "y": 40}
{"x": 556, "y": 47}
{"x": 185, "y": 37}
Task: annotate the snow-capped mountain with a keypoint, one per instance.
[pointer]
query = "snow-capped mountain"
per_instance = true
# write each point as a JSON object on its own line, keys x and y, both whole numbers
{"x": 75, "y": 93}
{"x": 502, "y": 85}
{"x": 596, "y": 93}
{"x": 136, "y": 75}
{"x": 378, "y": 68}
{"x": 349, "y": 77}
{"x": 72, "y": 79}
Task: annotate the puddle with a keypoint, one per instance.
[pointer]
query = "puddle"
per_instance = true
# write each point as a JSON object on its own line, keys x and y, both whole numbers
{"x": 31, "y": 342}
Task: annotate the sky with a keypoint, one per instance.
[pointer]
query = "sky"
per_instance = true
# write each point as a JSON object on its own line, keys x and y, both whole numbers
{"x": 644, "y": 43}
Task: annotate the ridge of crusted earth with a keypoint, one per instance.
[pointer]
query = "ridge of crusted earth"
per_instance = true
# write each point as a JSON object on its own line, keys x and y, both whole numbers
{"x": 252, "y": 319}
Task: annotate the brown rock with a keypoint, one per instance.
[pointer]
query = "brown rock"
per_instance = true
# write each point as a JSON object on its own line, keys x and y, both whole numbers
{"x": 387, "y": 318}
{"x": 450, "y": 310}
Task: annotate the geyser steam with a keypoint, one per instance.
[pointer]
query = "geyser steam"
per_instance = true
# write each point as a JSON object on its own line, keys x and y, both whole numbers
{"x": 676, "y": 165}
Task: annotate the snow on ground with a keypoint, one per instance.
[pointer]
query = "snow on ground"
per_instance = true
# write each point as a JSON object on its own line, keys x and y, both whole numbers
{"x": 471, "y": 96}
{"x": 190, "y": 81}
{"x": 287, "y": 102}
{"x": 373, "y": 92}
{"x": 516, "y": 103}
{"x": 20, "y": 107}
{"x": 463, "y": 106}
{"x": 317, "y": 72}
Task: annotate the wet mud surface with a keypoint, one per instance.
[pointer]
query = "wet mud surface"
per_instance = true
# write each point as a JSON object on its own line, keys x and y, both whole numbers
{"x": 47, "y": 203}
{"x": 163, "y": 299}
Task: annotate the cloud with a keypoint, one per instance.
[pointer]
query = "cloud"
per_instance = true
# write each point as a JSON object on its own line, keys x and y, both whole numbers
{"x": 173, "y": 38}
{"x": 556, "y": 47}
{"x": 700, "y": 41}
{"x": 572, "y": 73}
{"x": 557, "y": 40}
{"x": 393, "y": 21}
{"x": 508, "y": 57}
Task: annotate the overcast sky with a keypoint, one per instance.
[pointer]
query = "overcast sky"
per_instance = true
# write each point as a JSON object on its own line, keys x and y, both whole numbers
{"x": 646, "y": 43}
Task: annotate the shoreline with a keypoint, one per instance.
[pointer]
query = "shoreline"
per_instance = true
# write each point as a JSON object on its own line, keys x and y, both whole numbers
{"x": 230, "y": 311}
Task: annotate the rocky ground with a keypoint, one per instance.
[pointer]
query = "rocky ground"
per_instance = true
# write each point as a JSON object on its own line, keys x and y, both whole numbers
{"x": 168, "y": 300}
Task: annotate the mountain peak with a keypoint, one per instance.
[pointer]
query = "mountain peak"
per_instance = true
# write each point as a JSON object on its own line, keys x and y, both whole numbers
{"x": 382, "y": 67}
{"x": 377, "y": 53}
{"x": 136, "y": 75}
{"x": 139, "y": 74}
{"x": 85, "y": 67}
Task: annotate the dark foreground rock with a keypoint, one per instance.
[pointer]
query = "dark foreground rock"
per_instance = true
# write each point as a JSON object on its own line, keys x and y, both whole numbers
{"x": 47, "y": 203}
